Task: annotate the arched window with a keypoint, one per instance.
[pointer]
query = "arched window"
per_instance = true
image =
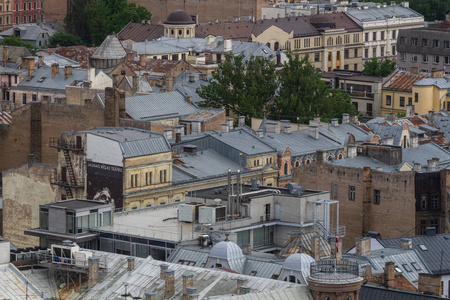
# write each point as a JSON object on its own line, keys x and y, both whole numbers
{"x": 268, "y": 45}
{"x": 327, "y": 298}
{"x": 297, "y": 163}
{"x": 330, "y": 157}
{"x": 338, "y": 40}
{"x": 276, "y": 46}
{"x": 341, "y": 156}
{"x": 330, "y": 41}
{"x": 286, "y": 169}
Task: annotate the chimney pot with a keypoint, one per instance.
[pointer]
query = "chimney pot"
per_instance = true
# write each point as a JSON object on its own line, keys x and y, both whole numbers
{"x": 188, "y": 281}
{"x": 131, "y": 261}
{"x": 345, "y": 118}
{"x": 230, "y": 123}
{"x": 241, "y": 121}
{"x": 55, "y": 69}
{"x": 188, "y": 99}
{"x": 169, "y": 276}
{"x": 163, "y": 268}
{"x": 241, "y": 282}
{"x": 67, "y": 71}
{"x": 194, "y": 296}
{"x": 244, "y": 290}
{"x": 314, "y": 131}
{"x": 335, "y": 122}
{"x": 191, "y": 78}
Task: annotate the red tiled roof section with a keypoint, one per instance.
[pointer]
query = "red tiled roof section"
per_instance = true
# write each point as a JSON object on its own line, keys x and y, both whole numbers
{"x": 153, "y": 65}
{"x": 339, "y": 19}
{"x": 403, "y": 81}
{"x": 79, "y": 54}
{"x": 139, "y": 32}
{"x": 239, "y": 31}
{"x": 5, "y": 118}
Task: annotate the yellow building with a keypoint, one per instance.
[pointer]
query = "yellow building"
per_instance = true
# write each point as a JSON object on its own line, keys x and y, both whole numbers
{"x": 425, "y": 91}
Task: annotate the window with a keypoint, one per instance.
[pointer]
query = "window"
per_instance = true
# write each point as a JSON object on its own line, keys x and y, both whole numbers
{"x": 355, "y": 67}
{"x": 356, "y": 52}
{"x": 416, "y": 97}
{"x": 435, "y": 224}
{"x": 447, "y": 60}
{"x": 338, "y": 40}
{"x": 416, "y": 266}
{"x": 366, "y": 53}
{"x": 423, "y": 227}
{"x": 347, "y": 39}
{"x": 402, "y": 41}
{"x": 24, "y": 6}
{"x": 413, "y": 41}
{"x": 356, "y": 38}
{"x": 403, "y": 56}
{"x": 316, "y": 57}
{"x": 134, "y": 180}
{"x": 382, "y": 51}
{"x": 447, "y": 44}
{"x": 436, "y": 59}
{"x": 306, "y": 43}
{"x": 29, "y": 5}
{"x": 24, "y": 99}
{"x": 374, "y": 36}
{"x": 33, "y": 97}
{"x": 424, "y": 58}
{"x": 334, "y": 191}
{"x": 393, "y": 50}
{"x": 423, "y": 202}
{"x": 434, "y": 201}
{"x": 410, "y": 101}
{"x": 330, "y": 41}
{"x": 394, "y": 34}
{"x": 435, "y": 43}
{"x": 367, "y": 37}
{"x": 276, "y": 46}
{"x": 382, "y": 35}
{"x": 374, "y": 52}
{"x": 346, "y": 55}
{"x": 17, "y": 6}
{"x": 388, "y": 99}
{"x": 424, "y": 43}
{"x": 376, "y": 197}
{"x": 346, "y": 67}
{"x": 351, "y": 193}
{"x": 43, "y": 218}
{"x": 414, "y": 57}
{"x": 407, "y": 268}
{"x": 402, "y": 101}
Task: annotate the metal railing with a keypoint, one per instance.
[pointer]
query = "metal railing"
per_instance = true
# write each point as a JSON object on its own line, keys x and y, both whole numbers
{"x": 323, "y": 267}
{"x": 63, "y": 144}
{"x": 68, "y": 263}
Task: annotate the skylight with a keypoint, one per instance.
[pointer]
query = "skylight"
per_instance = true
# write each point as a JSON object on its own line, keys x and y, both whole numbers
{"x": 423, "y": 247}
{"x": 416, "y": 266}
{"x": 407, "y": 268}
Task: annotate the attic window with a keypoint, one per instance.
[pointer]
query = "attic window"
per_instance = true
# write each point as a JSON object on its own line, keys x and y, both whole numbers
{"x": 423, "y": 247}
{"x": 42, "y": 79}
{"x": 265, "y": 51}
{"x": 253, "y": 273}
{"x": 398, "y": 270}
{"x": 407, "y": 268}
{"x": 416, "y": 266}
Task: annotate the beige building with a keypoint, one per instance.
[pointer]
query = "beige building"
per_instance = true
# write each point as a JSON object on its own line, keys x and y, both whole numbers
{"x": 6, "y": 14}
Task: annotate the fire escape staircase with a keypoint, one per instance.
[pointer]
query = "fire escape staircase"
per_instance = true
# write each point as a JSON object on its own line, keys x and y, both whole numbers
{"x": 71, "y": 180}
{"x": 326, "y": 233}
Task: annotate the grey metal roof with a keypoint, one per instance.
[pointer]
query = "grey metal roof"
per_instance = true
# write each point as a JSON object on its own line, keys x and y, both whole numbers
{"x": 15, "y": 52}
{"x": 297, "y": 293}
{"x": 111, "y": 48}
{"x": 190, "y": 257}
{"x": 157, "y": 47}
{"x": 29, "y": 32}
{"x": 14, "y": 285}
{"x": 157, "y": 106}
{"x": 41, "y": 80}
{"x": 436, "y": 256}
{"x": 244, "y": 142}
{"x": 387, "y": 131}
{"x": 424, "y": 152}
{"x": 187, "y": 88}
{"x": 363, "y": 161}
{"x": 371, "y": 292}
{"x": 339, "y": 133}
{"x": 382, "y": 13}
{"x": 263, "y": 269}
{"x": 61, "y": 60}
{"x": 441, "y": 83}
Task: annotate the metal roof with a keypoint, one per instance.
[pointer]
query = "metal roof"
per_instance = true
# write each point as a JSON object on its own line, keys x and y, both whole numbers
{"x": 403, "y": 80}
{"x": 159, "y": 105}
{"x": 30, "y": 31}
{"x": 292, "y": 24}
{"x": 187, "y": 88}
{"x": 424, "y": 152}
{"x": 139, "y": 32}
{"x": 5, "y": 117}
{"x": 371, "y": 292}
{"x": 441, "y": 83}
{"x": 60, "y": 60}
{"x": 296, "y": 293}
{"x": 387, "y": 131}
{"x": 436, "y": 256}
{"x": 111, "y": 48}
{"x": 383, "y": 13}
{"x": 244, "y": 142}
{"x": 15, "y": 286}
{"x": 15, "y": 52}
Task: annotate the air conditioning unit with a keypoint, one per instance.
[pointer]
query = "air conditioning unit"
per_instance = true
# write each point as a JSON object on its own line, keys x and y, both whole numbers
{"x": 188, "y": 212}
{"x": 212, "y": 214}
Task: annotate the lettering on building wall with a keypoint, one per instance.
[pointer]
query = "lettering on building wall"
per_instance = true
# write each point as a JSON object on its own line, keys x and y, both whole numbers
{"x": 104, "y": 183}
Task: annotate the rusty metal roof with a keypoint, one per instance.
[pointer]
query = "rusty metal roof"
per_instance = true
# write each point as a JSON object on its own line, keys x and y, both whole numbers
{"x": 5, "y": 118}
{"x": 239, "y": 31}
{"x": 79, "y": 54}
{"x": 139, "y": 32}
{"x": 403, "y": 80}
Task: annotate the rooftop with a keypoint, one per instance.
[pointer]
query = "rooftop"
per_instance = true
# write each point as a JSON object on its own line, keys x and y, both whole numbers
{"x": 139, "y": 32}
{"x": 383, "y": 13}
{"x": 76, "y": 204}
{"x": 403, "y": 80}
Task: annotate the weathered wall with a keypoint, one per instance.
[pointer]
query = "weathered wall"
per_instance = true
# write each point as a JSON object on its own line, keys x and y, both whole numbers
{"x": 24, "y": 189}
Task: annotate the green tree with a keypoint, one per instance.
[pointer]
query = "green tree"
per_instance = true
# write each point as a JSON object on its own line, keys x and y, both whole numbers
{"x": 17, "y": 41}
{"x": 241, "y": 86}
{"x": 303, "y": 95}
{"x": 64, "y": 39}
{"x": 374, "y": 67}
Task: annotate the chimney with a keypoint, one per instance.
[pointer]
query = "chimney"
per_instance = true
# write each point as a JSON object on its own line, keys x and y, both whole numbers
{"x": 417, "y": 167}
{"x": 259, "y": 133}
{"x": 321, "y": 156}
{"x": 196, "y": 127}
{"x": 368, "y": 271}
{"x": 55, "y": 69}
{"x": 194, "y": 296}
{"x": 163, "y": 268}
{"x": 247, "y": 249}
{"x": 352, "y": 151}
{"x": 135, "y": 83}
{"x": 191, "y": 78}
{"x": 169, "y": 83}
{"x": 437, "y": 73}
{"x": 432, "y": 166}
{"x": 188, "y": 281}
{"x": 227, "y": 46}
{"x": 335, "y": 122}
{"x": 149, "y": 296}
{"x": 406, "y": 243}
{"x": 169, "y": 277}
{"x": 317, "y": 119}
{"x": 5, "y": 55}
{"x": 414, "y": 70}
{"x": 390, "y": 117}
{"x": 230, "y": 123}
{"x": 363, "y": 246}
{"x": 315, "y": 247}
{"x": 188, "y": 99}
{"x": 389, "y": 275}
{"x": 130, "y": 57}
{"x": 241, "y": 121}
{"x": 272, "y": 128}
{"x": 244, "y": 290}
{"x": 336, "y": 255}
{"x": 177, "y": 137}
{"x": 93, "y": 265}
{"x": 32, "y": 159}
{"x": 345, "y": 118}
{"x": 405, "y": 4}
{"x": 241, "y": 282}
{"x": 168, "y": 133}
{"x": 142, "y": 60}
{"x": 286, "y": 129}
{"x": 410, "y": 110}
{"x": 179, "y": 129}
{"x": 115, "y": 81}
{"x": 313, "y": 131}
{"x": 431, "y": 118}
{"x": 130, "y": 261}
{"x": 67, "y": 71}
{"x": 190, "y": 291}
{"x": 225, "y": 127}
{"x": 430, "y": 284}
{"x": 414, "y": 141}
{"x": 203, "y": 76}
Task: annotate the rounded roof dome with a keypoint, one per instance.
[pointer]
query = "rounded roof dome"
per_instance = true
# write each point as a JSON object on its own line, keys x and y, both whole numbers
{"x": 298, "y": 262}
{"x": 179, "y": 17}
{"x": 226, "y": 250}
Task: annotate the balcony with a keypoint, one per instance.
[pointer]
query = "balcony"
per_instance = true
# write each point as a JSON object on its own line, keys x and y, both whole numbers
{"x": 332, "y": 271}
{"x": 62, "y": 144}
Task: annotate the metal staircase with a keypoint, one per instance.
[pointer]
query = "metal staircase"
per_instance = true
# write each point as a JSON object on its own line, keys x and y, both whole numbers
{"x": 71, "y": 179}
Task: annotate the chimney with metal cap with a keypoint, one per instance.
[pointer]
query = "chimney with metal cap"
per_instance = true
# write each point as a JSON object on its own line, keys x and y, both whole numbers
{"x": 230, "y": 123}
{"x": 188, "y": 281}
{"x": 345, "y": 118}
{"x": 190, "y": 291}
{"x": 406, "y": 243}
{"x": 224, "y": 127}
{"x": 168, "y": 133}
{"x": 149, "y": 296}
{"x": 163, "y": 268}
{"x": 244, "y": 290}
{"x": 130, "y": 261}
{"x": 335, "y": 122}
{"x": 241, "y": 121}
{"x": 314, "y": 131}
{"x": 241, "y": 282}
{"x": 169, "y": 283}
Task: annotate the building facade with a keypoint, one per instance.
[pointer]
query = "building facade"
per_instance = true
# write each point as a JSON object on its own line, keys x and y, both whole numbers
{"x": 28, "y": 11}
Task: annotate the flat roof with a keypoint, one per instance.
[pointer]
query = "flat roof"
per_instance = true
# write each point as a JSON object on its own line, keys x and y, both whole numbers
{"x": 77, "y": 204}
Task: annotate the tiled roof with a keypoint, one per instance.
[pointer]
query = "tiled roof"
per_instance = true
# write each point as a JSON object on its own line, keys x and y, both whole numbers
{"x": 139, "y": 32}
{"x": 5, "y": 117}
{"x": 339, "y": 19}
{"x": 296, "y": 24}
{"x": 158, "y": 106}
{"x": 79, "y": 54}
{"x": 402, "y": 80}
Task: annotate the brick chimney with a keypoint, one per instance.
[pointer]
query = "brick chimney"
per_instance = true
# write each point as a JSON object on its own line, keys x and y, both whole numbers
{"x": 430, "y": 284}
{"x": 188, "y": 281}
{"x": 169, "y": 83}
{"x": 363, "y": 246}
{"x": 188, "y": 99}
{"x": 130, "y": 56}
{"x": 5, "y": 55}
{"x": 390, "y": 117}
{"x": 321, "y": 156}
{"x": 94, "y": 267}
{"x": 55, "y": 69}
{"x": 67, "y": 71}
{"x": 315, "y": 247}
{"x": 244, "y": 290}
{"x": 389, "y": 275}
{"x": 29, "y": 64}
{"x": 115, "y": 81}
{"x": 169, "y": 283}
{"x": 437, "y": 73}
{"x": 135, "y": 83}
{"x": 130, "y": 261}
{"x": 241, "y": 282}
{"x": 143, "y": 60}
{"x": 163, "y": 268}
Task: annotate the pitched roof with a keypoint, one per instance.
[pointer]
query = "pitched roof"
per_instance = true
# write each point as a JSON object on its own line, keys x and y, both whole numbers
{"x": 441, "y": 83}
{"x": 29, "y": 31}
{"x": 338, "y": 19}
{"x": 14, "y": 285}
{"x": 371, "y": 292}
{"x": 111, "y": 48}
{"x": 402, "y": 80}
{"x": 139, "y": 32}
{"x": 383, "y": 13}
{"x": 160, "y": 66}
{"x": 237, "y": 31}
{"x": 60, "y": 60}
{"x": 14, "y": 53}
{"x": 297, "y": 24}
{"x": 79, "y": 54}
{"x": 188, "y": 88}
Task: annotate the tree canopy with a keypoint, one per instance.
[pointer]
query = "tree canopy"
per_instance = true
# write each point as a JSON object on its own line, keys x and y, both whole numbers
{"x": 296, "y": 93}
{"x": 93, "y": 20}
{"x": 64, "y": 39}
{"x": 374, "y": 67}
{"x": 17, "y": 41}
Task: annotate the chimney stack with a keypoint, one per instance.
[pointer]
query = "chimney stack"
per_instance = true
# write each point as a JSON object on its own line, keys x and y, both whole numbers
{"x": 437, "y": 73}
{"x": 417, "y": 167}
{"x": 241, "y": 121}
{"x": 345, "y": 118}
{"x": 430, "y": 284}
{"x": 335, "y": 122}
{"x": 67, "y": 71}
{"x": 196, "y": 127}
{"x": 190, "y": 291}
{"x": 115, "y": 81}
{"x": 390, "y": 117}
{"x": 130, "y": 56}
{"x": 259, "y": 133}
{"x": 55, "y": 69}
{"x": 227, "y": 45}
{"x": 163, "y": 268}
{"x": 414, "y": 70}
{"x": 5, "y": 55}
{"x": 389, "y": 275}
{"x": 321, "y": 156}
{"x": 188, "y": 99}
{"x": 363, "y": 246}
{"x": 169, "y": 83}
{"x": 130, "y": 261}
{"x": 225, "y": 127}
{"x": 168, "y": 133}
{"x": 177, "y": 137}
{"x": 149, "y": 296}
{"x": 241, "y": 282}
{"x": 188, "y": 281}
{"x": 230, "y": 123}
{"x": 191, "y": 78}
{"x": 203, "y": 76}
{"x": 315, "y": 247}
{"x": 169, "y": 283}
{"x": 405, "y": 243}
{"x": 410, "y": 110}
{"x": 194, "y": 296}
{"x": 94, "y": 266}
{"x": 272, "y": 128}
{"x": 136, "y": 84}
{"x": 414, "y": 141}
{"x": 244, "y": 290}
{"x": 143, "y": 60}
{"x": 432, "y": 164}
{"x": 314, "y": 131}
{"x": 431, "y": 118}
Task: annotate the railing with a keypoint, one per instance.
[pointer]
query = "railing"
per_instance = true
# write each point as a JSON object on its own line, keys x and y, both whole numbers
{"x": 68, "y": 263}
{"x": 323, "y": 267}
{"x": 362, "y": 94}
{"x": 62, "y": 144}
